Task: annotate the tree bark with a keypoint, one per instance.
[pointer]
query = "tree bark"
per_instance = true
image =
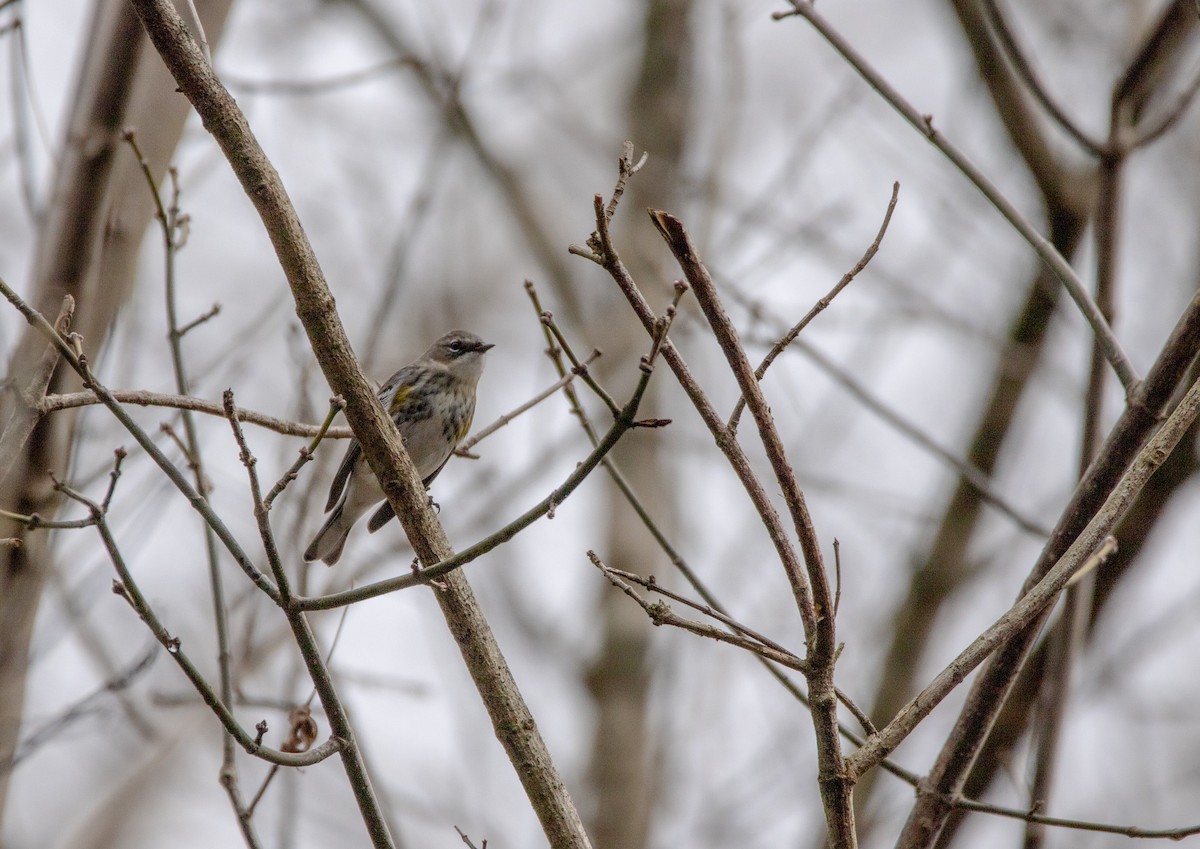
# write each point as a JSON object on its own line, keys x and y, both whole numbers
{"x": 87, "y": 248}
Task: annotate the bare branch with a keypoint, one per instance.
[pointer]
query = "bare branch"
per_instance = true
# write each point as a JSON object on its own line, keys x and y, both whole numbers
{"x": 1090, "y": 543}
{"x": 661, "y": 614}
{"x": 821, "y": 305}
{"x": 27, "y": 407}
{"x": 126, "y": 587}
{"x": 625, "y": 421}
{"x": 814, "y": 599}
{"x": 1040, "y": 244}
{"x": 142, "y": 398}
{"x": 382, "y": 448}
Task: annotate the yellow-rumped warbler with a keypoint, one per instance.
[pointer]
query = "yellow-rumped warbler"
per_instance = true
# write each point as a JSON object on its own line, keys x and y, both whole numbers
{"x": 432, "y": 401}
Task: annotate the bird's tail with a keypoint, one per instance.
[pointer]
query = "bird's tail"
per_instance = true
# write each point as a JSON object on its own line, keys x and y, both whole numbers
{"x": 327, "y": 545}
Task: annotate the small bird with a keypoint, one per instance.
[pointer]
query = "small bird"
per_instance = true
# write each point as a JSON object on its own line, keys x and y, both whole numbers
{"x": 432, "y": 401}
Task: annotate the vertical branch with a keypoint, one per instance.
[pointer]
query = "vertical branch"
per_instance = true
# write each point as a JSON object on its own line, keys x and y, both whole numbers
{"x": 65, "y": 261}
{"x": 27, "y": 400}
{"x": 816, "y": 605}
{"x": 169, "y": 227}
{"x": 310, "y": 650}
{"x": 381, "y": 443}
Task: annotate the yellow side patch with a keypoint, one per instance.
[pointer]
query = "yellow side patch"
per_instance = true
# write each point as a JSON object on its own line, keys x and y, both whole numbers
{"x": 399, "y": 399}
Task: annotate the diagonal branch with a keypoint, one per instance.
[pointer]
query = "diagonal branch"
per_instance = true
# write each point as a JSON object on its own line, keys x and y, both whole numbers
{"x": 625, "y": 421}
{"x": 378, "y": 436}
{"x": 820, "y": 306}
{"x": 816, "y": 605}
{"x": 1040, "y": 244}
{"x": 991, "y": 686}
{"x": 28, "y": 405}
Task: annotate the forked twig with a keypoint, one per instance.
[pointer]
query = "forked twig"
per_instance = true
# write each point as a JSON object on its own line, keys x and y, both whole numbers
{"x": 822, "y": 304}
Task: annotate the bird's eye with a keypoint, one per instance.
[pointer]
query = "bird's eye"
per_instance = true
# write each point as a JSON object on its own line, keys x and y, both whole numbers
{"x": 456, "y": 347}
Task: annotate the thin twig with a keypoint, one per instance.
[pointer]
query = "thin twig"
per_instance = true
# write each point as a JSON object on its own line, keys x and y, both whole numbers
{"x": 1041, "y": 245}
{"x": 306, "y": 453}
{"x": 653, "y": 586}
{"x": 789, "y": 337}
{"x": 624, "y": 422}
{"x": 467, "y": 840}
{"x": 126, "y": 587}
{"x": 661, "y": 614}
{"x": 33, "y": 521}
{"x": 200, "y": 405}
{"x": 626, "y": 168}
{"x": 78, "y": 362}
{"x": 578, "y": 367}
{"x": 1080, "y": 825}
{"x": 198, "y": 320}
{"x": 504, "y": 419}
{"x": 1016, "y": 56}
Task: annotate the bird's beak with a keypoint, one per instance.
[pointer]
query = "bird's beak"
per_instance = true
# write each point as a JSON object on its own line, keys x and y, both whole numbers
{"x": 485, "y": 346}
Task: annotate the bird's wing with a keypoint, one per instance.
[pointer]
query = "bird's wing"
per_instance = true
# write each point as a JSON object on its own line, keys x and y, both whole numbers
{"x": 385, "y": 513}
{"x": 353, "y": 452}
{"x": 381, "y": 517}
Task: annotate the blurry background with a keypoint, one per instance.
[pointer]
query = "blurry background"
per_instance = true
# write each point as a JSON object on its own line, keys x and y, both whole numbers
{"x": 439, "y": 155}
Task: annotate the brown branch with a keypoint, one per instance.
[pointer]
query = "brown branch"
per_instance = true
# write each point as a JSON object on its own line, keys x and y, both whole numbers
{"x": 306, "y": 453}
{"x": 816, "y": 603}
{"x": 602, "y": 252}
{"x": 27, "y": 406}
{"x": 380, "y": 440}
{"x": 140, "y": 398}
{"x": 578, "y": 367}
{"x": 813, "y": 596}
{"x": 923, "y": 124}
{"x": 652, "y": 585}
{"x": 661, "y": 614}
{"x": 988, "y": 692}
